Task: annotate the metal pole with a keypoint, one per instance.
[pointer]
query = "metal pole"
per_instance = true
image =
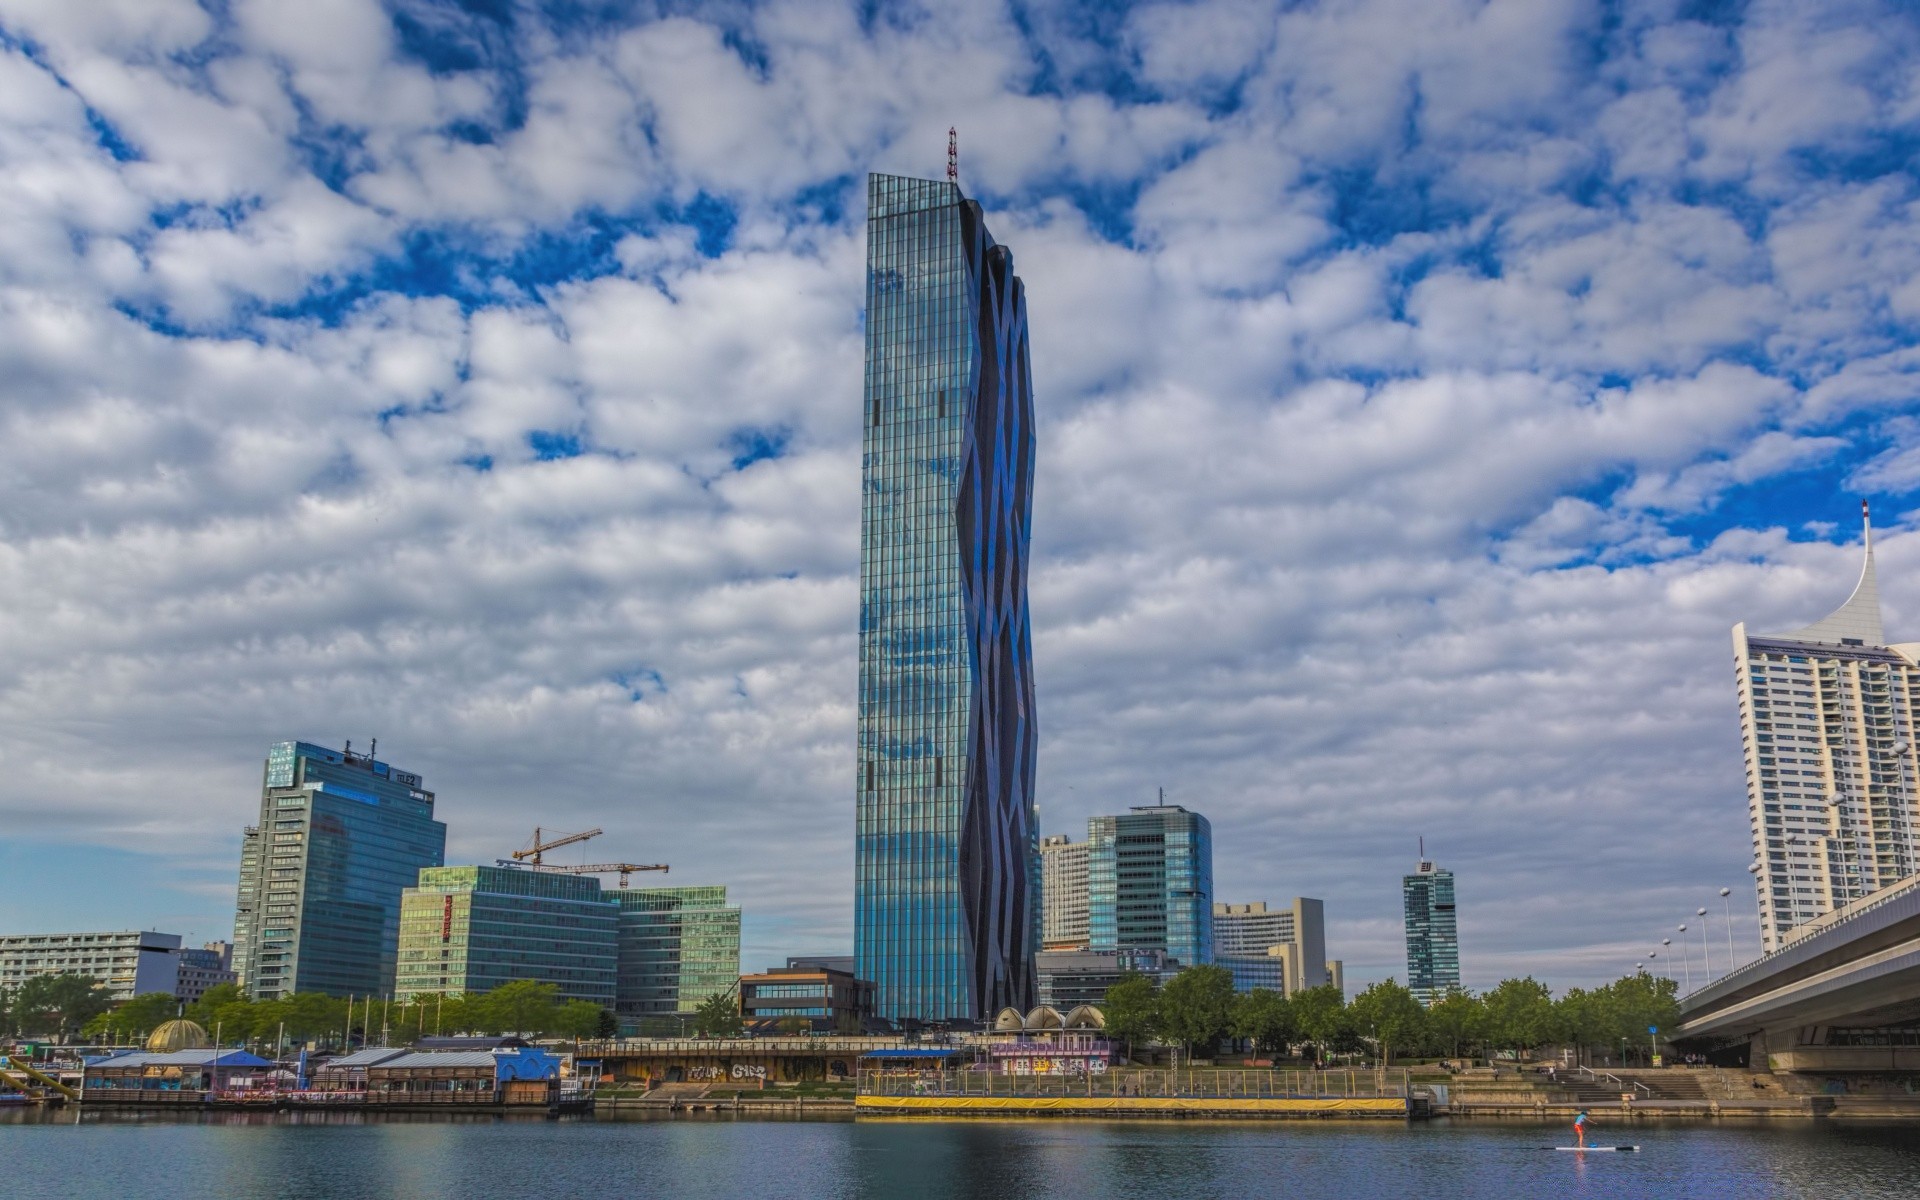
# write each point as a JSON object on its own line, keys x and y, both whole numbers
{"x": 1705, "y": 953}
{"x": 1726, "y": 903}
{"x": 1686, "y": 959}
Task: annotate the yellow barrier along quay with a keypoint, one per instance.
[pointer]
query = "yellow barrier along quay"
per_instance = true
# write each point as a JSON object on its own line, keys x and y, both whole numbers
{"x": 1156, "y": 1094}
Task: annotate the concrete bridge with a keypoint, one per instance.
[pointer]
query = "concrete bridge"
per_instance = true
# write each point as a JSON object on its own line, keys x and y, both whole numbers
{"x": 1843, "y": 995}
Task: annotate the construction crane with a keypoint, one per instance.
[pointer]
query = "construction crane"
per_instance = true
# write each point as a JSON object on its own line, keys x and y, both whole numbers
{"x": 530, "y": 858}
{"x": 621, "y": 869}
{"x": 538, "y": 847}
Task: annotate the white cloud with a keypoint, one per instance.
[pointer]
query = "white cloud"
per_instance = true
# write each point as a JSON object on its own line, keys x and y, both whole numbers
{"x": 1410, "y": 378}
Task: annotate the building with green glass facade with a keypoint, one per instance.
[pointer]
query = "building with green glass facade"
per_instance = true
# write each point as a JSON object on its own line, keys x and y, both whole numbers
{"x": 1433, "y": 932}
{"x": 678, "y": 946}
{"x": 471, "y": 929}
{"x": 946, "y": 915}
{"x": 340, "y": 837}
{"x": 1150, "y": 883}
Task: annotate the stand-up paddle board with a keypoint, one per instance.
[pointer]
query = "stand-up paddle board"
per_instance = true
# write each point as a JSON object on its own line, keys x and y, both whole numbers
{"x": 1597, "y": 1149}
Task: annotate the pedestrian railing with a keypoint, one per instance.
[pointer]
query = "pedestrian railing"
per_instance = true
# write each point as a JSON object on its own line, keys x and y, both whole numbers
{"x": 1179, "y": 1082}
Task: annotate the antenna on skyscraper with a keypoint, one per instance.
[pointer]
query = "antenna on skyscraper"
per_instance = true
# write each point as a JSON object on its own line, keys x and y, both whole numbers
{"x": 953, "y": 155}
{"x": 1423, "y": 847}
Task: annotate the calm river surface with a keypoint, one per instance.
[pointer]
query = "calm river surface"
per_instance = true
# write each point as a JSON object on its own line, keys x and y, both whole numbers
{"x": 315, "y": 1157}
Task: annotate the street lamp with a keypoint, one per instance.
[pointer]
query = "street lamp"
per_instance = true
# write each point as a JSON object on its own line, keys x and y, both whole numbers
{"x": 1727, "y": 905}
{"x": 1706, "y": 956}
{"x": 1667, "y": 942}
{"x": 1686, "y": 960}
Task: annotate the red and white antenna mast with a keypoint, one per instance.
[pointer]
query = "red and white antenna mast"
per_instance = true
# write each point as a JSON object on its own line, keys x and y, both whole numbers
{"x": 953, "y": 155}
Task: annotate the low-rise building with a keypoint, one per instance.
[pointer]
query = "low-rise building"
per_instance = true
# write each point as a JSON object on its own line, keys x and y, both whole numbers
{"x": 816, "y": 1000}
{"x": 179, "y": 1076}
{"x": 1069, "y": 979}
{"x": 127, "y": 963}
{"x": 514, "y": 1077}
{"x": 208, "y": 967}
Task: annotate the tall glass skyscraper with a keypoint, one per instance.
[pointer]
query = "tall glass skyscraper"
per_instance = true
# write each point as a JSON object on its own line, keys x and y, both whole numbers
{"x": 1433, "y": 935}
{"x": 946, "y": 851}
{"x": 341, "y": 836}
{"x": 1150, "y": 883}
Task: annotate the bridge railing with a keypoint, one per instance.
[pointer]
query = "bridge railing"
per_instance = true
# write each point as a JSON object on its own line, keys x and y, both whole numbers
{"x": 1837, "y": 919}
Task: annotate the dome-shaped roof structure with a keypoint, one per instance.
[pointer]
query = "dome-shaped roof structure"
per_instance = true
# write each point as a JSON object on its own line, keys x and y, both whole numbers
{"x": 1009, "y": 1021}
{"x": 178, "y": 1035}
{"x": 1086, "y": 1016}
{"x": 1044, "y": 1017}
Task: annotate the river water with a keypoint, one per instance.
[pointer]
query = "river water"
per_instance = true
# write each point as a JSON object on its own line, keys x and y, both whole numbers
{"x": 351, "y": 1157}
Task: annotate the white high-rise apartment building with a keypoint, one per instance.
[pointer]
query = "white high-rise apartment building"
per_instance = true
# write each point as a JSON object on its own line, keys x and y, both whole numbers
{"x": 1063, "y": 894}
{"x": 1827, "y": 723}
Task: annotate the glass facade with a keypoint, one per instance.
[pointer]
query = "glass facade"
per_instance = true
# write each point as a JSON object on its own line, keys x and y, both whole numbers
{"x": 678, "y": 947}
{"x": 1433, "y": 938}
{"x": 471, "y": 929}
{"x": 1150, "y": 883}
{"x": 340, "y": 837}
{"x": 946, "y": 848}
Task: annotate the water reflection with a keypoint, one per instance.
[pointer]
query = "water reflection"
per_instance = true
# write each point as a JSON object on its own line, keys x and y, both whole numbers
{"x": 351, "y": 1157}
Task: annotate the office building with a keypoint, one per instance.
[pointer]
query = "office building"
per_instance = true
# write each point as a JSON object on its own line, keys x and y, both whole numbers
{"x": 1063, "y": 894}
{"x": 471, "y": 929}
{"x": 946, "y": 833}
{"x": 209, "y": 966}
{"x": 805, "y": 999}
{"x": 340, "y": 837}
{"x": 1070, "y": 978}
{"x": 1827, "y": 724}
{"x": 1245, "y": 937}
{"x": 127, "y": 963}
{"x": 679, "y": 947}
{"x": 1433, "y": 936}
{"x": 1150, "y": 883}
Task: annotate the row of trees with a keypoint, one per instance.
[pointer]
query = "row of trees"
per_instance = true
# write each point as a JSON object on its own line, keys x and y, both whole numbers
{"x": 52, "y": 1006}
{"x": 65, "y": 1005}
{"x": 1198, "y": 1008}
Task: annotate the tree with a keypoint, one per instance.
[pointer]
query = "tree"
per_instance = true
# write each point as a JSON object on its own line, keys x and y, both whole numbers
{"x": 201, "y": 1011}
{"x": 1265, "y": 1018}
{"x": 133, "y": 1018}
{"x": 792, "y": 1026}
{"x": 577, "y": 1019}
{"x": 1322, "y": 1015}
{"x": 1196, "y": 1007}
{"x": 1391, "y": 1015}
{"x": 523, "y": 1006}
{"x": 1520, "y": 1014}
{"x": 1455, "y": 1021}
{"x": 59, "y": 1004}
{"x": 1132, "y": 1009}
{"x": 718, "y": 1016}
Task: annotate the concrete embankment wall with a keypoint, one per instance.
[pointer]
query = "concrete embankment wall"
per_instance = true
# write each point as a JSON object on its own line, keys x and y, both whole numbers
{"x": 1128, "y": 1106}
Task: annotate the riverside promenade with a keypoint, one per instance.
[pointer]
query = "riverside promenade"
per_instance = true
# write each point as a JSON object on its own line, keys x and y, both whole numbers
{"x": 1150, "y": 1093}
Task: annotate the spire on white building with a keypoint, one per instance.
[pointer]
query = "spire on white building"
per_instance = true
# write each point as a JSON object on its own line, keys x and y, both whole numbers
{"x": 1859, "y": 618}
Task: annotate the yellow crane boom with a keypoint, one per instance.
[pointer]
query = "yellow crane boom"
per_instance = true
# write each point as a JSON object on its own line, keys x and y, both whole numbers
{"x": 538, "y": 847}
{"x": 621, "y": 869}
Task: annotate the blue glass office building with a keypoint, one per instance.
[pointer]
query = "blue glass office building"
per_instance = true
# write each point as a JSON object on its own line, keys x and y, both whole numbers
{"x": 947, "y": 836}
{"x": 1433, "y": 933}
{"x": 341, "y": 836}
{"x": 1150, "y": 883}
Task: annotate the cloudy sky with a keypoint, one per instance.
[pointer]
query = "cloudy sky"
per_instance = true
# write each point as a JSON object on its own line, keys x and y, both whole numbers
{"x": 1425, "y": 387}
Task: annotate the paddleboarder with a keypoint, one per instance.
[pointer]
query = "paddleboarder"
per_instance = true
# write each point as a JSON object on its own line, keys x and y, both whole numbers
{"x": 1580, "y": 1128}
